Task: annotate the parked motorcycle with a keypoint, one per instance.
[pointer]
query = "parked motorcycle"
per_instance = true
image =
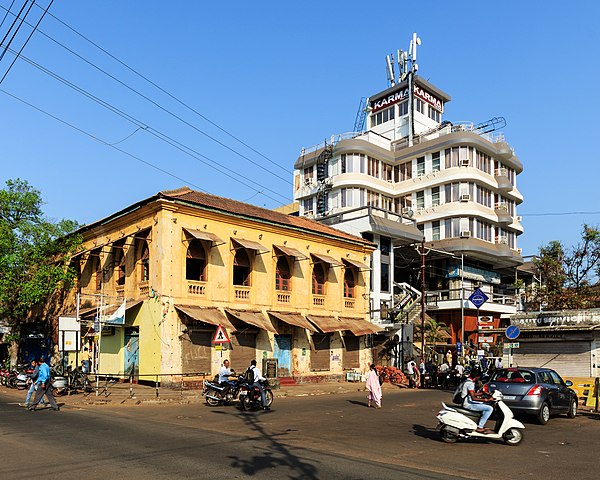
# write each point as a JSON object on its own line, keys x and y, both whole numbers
{"x": 457, "y": 422}
{"x": 220, "y": 393}
{"x": 450, "y": 379}
{"x": 250, "y": 397}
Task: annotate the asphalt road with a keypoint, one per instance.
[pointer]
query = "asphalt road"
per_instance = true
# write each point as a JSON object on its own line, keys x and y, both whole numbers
{"x": 314, "y": 437}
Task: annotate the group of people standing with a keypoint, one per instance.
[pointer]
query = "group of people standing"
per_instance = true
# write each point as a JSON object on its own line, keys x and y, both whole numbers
{"x": 40, "y": 383}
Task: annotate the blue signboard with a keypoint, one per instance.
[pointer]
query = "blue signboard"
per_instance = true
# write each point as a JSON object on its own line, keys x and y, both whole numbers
{"x": 458, "y": 348}
{"x": 512, "y": 332}
{"x": 478, "y": 298}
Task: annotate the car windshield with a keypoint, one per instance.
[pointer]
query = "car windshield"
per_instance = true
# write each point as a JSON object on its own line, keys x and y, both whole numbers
{"x": 513, "y": 375}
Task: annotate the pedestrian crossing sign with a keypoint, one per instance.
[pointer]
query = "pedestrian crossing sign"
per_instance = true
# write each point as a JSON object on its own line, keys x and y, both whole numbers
{"x": 221, "y": 335}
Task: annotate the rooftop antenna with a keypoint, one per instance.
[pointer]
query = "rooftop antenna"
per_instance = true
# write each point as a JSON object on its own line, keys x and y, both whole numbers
{"x": 389, "y": 60}
{"x": 412, "y": 52}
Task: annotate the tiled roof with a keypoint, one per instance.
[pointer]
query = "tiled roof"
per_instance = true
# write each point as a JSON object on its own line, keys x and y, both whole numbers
{"x": 228, "y": 205}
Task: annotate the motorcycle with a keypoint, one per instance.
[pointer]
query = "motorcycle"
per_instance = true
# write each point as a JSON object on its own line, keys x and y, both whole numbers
{"x": 450, "y": 379}
{"x": 457, "y": 422}
{"x": 250, "y": 397}
{"x": 220, "y": 393}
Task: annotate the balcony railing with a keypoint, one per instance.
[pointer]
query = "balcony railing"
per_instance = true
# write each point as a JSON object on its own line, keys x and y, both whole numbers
{"x": 144, "y": 289}
{"x": 196, "y": 287}
{"x": 349, "y": 303}
{"x": 319, "y": 300}
{"x": 242, "y": 293}
{"x": 284, "y": 297}
{"x": 434, "y": 297}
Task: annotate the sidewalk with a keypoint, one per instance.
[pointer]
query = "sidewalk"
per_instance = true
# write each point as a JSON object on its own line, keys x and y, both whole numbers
{"x": 136, "y": 394}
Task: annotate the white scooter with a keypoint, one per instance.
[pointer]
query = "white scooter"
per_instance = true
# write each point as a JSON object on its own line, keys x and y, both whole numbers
{"x": 458, "y": 422}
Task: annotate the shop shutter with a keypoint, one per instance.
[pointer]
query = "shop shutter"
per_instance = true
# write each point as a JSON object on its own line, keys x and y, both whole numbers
{"x": 569, "y": 359}
{"x": 351, "y": 352}
{"x": 243, "y": 350}
{"x": 319, "y": 357}
{"x": 196, "y": 351}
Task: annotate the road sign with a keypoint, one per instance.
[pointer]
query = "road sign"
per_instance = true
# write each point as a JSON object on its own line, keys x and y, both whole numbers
{"x": 478, "y": 298}
{"x": 221, "y": 335}
{"x": 512, "y": 332}
{"x": 512, "y": 345}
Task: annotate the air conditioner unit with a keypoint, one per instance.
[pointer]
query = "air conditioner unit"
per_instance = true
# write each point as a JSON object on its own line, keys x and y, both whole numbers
{"x": 464, "y": 162}
{"x": 465, "y": 197}
{"x": 408, "y": 211}
{"x": 519, "y": 251}
{"x": 465, "y": 234}
{"x": 503, "y": 240}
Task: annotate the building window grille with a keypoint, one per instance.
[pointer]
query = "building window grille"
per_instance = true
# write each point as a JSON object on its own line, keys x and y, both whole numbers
{"x": 195, "y": 262}
{"x": 283, "y": 275}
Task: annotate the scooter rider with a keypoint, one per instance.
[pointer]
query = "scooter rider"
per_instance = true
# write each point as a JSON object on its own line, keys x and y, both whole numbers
{"x": 477, "y": 401}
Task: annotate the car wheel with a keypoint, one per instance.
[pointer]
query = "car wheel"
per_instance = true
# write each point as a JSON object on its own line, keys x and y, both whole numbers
{"x": 572, "y": 409}
{"x": 544, "y": 414}
{"x": 513, "y": 436}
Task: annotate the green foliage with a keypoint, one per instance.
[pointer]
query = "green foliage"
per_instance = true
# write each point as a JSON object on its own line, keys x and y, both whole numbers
{"x": 568, "y": 274}
{"x": 34, "y": 251}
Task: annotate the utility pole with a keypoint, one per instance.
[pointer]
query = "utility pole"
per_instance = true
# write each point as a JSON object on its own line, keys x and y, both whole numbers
{"x": 423, "y": 298}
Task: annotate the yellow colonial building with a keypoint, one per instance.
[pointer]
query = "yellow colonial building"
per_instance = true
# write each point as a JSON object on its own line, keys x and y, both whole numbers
{"x": 185, "y": 262}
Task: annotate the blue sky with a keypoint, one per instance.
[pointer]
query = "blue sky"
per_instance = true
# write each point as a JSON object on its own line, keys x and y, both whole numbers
{"x": 283, "y": 75}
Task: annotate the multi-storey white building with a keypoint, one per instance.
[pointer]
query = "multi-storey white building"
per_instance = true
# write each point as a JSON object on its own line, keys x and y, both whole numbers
{"x": 411, "y": 175}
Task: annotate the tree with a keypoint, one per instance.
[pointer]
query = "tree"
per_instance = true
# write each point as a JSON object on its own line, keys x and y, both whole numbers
{"x": 34, "y": 255}
{"x": 567, "y": 274}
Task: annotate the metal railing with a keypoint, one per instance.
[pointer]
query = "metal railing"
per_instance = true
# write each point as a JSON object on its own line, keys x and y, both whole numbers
{"x": 128, "y": 386}
{"x": 433, "y": 297}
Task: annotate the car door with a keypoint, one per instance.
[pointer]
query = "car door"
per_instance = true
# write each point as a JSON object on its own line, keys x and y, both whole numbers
{"x": 553, "y": 395}
{"x": 563, "y": 395}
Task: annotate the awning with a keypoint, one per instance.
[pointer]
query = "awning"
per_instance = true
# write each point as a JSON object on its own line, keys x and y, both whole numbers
{"x": 327, "y": 324}
{"x": 206, "y": 236}
{"x": 326, "y": 259}
{"x": 210, "y": 315}
{"x": 356, "y": 263}
{"x": 293, "y": 319}
{"x": 395, "y": 230}
{"x": 359, "y": 326}
{"x": 290, "y": 252}
{"x": 86, "y": 313}
{"x": 253, "y": 318}
{"x": 250, "y": 245}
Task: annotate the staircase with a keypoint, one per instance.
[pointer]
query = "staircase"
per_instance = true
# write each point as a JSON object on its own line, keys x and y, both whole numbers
{"x": 287, "y": 382}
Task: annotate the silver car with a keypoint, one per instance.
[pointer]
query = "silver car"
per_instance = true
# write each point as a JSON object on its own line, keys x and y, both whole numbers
{"x": 535, "y": 391}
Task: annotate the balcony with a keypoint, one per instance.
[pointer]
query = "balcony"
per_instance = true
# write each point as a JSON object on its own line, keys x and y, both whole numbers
{"x": 196, "y": 288}
{"x": 242, "y": 293}
{"x": 501, "y": 176}
{"x": 284, "y": 297}
{"x": 504, "y": 215}
{"x": 349, "y": 303}
{"x": 120, "y": 290}
{"x": 319, "y": 300}
{"x": 451, "y": 300}
{"x": 144, "y": 289}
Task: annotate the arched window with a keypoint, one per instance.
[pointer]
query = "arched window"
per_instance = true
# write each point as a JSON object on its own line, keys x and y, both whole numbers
{"x": 349, "y": 283}
{"x": 241, "y": 268}
{"x": 119, "y": 256}
{"x": 145, "y": 262}
{"x": 195, "y": 261}
{"x": 283, "y": 274}
{"x": 318, "y": 279}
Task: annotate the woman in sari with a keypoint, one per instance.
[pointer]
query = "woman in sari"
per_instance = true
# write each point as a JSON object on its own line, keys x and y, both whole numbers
{"x": 373, "y": 387}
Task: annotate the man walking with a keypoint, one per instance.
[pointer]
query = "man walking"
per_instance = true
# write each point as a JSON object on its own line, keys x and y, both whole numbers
{"x": 44, "y": 386}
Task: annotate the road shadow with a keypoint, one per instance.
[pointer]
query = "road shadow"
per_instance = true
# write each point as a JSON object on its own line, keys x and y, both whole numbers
{"x": 425, "y": 432}
{"x": 356, "y": 402}
{"x": 272, "y": 453}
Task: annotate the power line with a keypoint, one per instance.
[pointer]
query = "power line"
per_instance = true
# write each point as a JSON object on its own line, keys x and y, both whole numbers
{"x": 549, "y": 214}
{"x": 17, "y": 18}
{"x": 162, "y": 136}
{"x": 99, "y": 140}
{"x": 6, "y": 14}
{"x": 28, "y": 38}
{"x": 168, "y": 94}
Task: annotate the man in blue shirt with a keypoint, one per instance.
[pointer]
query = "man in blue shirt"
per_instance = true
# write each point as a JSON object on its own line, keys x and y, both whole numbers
{"x": 43, "y": 385}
